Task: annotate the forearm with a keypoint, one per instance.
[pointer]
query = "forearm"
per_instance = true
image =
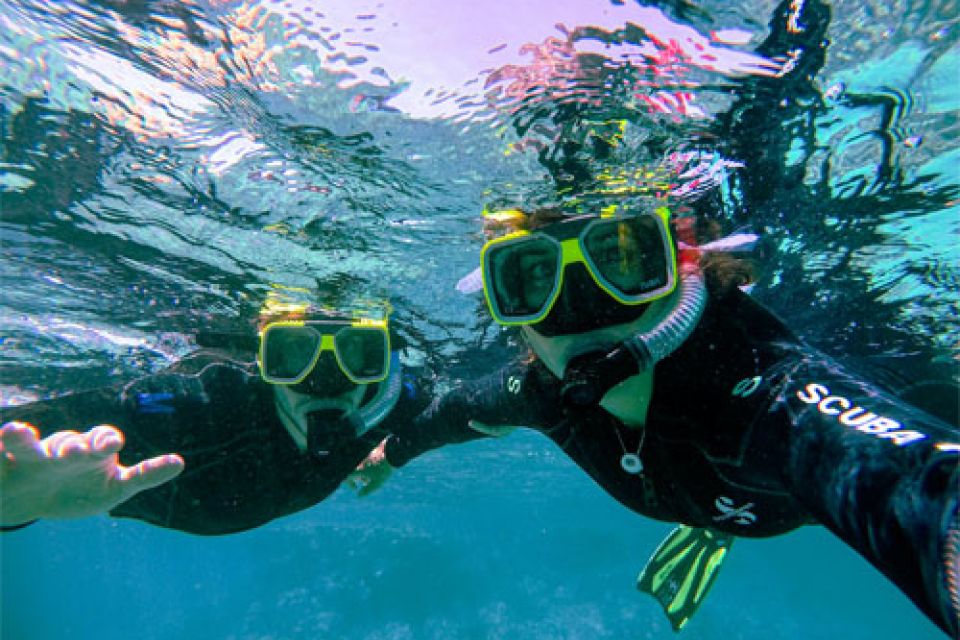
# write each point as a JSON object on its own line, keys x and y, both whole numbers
{"x": 882, "y": 476}
{"x": 517, "y": 395}
{"x": 445, "y": 421}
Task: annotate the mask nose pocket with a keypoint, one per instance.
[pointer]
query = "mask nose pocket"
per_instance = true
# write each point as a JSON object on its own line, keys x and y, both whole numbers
{"x": 325, "y": 380}
{"x": 584, "y": 306}
{"x": 577, "y": 292}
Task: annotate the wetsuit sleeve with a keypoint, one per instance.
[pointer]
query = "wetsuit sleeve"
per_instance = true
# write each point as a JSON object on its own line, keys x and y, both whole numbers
{"x": 130, "y": 407}
{"x": 517, "y": 395}
{"x": 882, "y": 475}
{"x": 76, "y": 411}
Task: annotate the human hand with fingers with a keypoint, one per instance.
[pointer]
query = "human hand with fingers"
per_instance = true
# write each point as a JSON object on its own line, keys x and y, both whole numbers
{"x": 372, "y": 472}
{"x": 70, "y": 474}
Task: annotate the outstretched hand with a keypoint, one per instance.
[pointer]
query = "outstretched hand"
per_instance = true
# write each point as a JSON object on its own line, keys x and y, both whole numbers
{"x": 70, "y": 474}
{"x": 372, "y": 472}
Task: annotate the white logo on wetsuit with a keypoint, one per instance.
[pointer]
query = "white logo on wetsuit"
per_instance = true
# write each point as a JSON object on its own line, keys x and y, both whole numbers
{"x": 747, "y": 386}
{"x": 730, "y": 511}
{"x": 850, "y": 415}
{"x": 513, "y": 384}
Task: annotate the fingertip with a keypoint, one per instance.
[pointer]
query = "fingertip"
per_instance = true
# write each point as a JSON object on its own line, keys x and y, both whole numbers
{"x": 168, "y": 472}
{"x": 161, "y": 468}
{"x": 106, "y": 438}
{"x": 20, "y": 428}
{"x": 151, "y": 473}
{"x": 70, "y": 446}
{"x": 61, "y": 443}
{"x": 107, "y": 446}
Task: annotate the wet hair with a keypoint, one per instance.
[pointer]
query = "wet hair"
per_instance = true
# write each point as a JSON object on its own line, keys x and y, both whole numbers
{"x": 722, "y": 271}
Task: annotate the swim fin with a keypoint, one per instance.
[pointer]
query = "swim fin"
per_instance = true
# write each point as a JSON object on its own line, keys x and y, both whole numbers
{"x": 682, "y": 569}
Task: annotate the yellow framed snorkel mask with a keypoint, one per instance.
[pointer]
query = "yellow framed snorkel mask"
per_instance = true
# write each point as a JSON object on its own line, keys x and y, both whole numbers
{"x": 290, "y": 349}
{"x": 633, "y": 259}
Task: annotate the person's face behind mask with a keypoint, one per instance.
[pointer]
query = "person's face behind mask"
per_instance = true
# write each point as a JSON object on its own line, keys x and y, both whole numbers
{"x": 590, "y": 327}
{"x": 583, "y": 307}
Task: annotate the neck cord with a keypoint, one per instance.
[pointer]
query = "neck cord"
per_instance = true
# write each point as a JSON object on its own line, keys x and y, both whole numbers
{"x": 630, "y": 462}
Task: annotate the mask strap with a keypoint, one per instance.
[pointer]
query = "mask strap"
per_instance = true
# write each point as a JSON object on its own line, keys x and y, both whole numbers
{"x": 687, "y": 248}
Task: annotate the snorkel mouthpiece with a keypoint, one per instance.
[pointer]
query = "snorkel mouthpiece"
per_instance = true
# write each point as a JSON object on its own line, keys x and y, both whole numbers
{"x": 325, "y": 428}
{"x": 324, "y": 431}
{"x": 588, "y": 377}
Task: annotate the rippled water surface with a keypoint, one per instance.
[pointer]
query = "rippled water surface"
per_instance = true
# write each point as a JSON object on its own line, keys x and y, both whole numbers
{"x": 167, "y": 166}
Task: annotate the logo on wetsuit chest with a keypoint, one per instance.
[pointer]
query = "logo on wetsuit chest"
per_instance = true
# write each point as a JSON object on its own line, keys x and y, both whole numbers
{"x": 857, "y": 417}
{"x": 730, "y": 511}
{"x": 154, "y": 403}
{"x": 747, "y": 386}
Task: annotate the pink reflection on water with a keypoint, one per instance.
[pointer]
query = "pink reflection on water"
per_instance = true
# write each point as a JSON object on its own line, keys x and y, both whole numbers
{"x": 663, "y": 59}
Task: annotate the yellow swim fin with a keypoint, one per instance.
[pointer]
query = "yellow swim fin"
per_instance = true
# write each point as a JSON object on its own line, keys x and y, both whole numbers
{"x": 682, "y": 569}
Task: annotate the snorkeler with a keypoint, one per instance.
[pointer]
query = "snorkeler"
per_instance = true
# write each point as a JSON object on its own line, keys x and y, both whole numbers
{"x": 689, "y": 402}
{"x": 258, "y": 431}
{"x": 684, "y": 398}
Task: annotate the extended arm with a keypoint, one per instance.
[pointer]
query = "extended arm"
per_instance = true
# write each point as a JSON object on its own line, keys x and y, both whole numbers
{"x": 517, "y": 395}
{"x": 70, "y": 474}
{"x": 50, "y": 471}
{"x": 64, "y": 473}
{"x": 882, "y": 476}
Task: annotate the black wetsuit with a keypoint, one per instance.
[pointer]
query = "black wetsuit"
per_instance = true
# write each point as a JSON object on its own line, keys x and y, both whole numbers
{"x": 753, "y": 433}
{"x": 243, "y": 468}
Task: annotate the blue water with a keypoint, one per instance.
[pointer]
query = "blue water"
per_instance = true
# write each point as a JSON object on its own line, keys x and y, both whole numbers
{"x": 518, "y": 545}
{"x": 167, "y": 166}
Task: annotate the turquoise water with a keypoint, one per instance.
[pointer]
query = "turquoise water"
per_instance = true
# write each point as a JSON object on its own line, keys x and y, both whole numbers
{"x": 165, "y": 166}
{"x": 481, "y": 543}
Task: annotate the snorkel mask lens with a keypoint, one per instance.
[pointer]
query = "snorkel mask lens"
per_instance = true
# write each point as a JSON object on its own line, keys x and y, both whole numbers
{"x": 363, "y": 352}
{"x": 290, "y": 350}
{"x": 521, "y": 277}
{"x": 632, "y": 259}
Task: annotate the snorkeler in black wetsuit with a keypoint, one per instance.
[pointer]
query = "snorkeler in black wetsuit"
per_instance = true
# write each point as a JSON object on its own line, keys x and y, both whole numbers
{"x": 254, "y": 447}
{"x": 736, "y": 429}
{"x": 694, "y": 447}
{"x": 748, "y": 432}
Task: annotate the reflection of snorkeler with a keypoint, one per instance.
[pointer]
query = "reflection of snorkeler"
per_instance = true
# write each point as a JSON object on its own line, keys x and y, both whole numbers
{"x": 256, "y": 438}
{"x": 689, "y": 402}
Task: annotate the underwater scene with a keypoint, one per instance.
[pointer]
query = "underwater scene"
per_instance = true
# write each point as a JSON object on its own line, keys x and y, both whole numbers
{"x": 251, "y": 178}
